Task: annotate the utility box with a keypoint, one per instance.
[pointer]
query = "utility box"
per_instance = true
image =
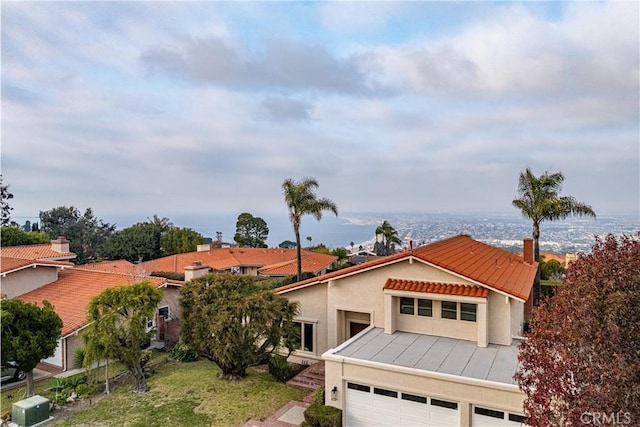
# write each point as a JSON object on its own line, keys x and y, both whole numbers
{"x": 30, "y": 411}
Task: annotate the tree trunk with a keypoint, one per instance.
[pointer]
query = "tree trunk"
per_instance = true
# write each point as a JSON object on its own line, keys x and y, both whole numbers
{"x": 30, "y": 386}
{"x": 106, "y": 377}
{"x": 139, "y": 381}
{"x": 296, "y": 229}
{"x": 536, "y": 257}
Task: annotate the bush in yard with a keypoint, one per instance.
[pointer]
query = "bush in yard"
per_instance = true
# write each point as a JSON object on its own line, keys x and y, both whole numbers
{"x": 319, "y": 415}
{"x": 280, "y": 369}
{"x": 183, "y": 353}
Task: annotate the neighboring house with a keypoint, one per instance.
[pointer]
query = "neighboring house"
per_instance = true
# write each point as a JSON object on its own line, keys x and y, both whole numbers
{"x": 36, "y": 273}
{"x": 423, "y": 337}
{"x": 274, "y": 262}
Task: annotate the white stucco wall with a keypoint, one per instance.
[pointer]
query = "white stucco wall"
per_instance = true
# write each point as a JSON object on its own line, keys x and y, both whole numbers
{"x": 28, "y": 279}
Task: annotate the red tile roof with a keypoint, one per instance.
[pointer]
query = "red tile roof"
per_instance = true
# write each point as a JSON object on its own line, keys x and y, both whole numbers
{"x": 311, "y": 262}
{"x": 476, "y": 261}
{"x": 436, "y": 288}
{"x": 119, "y": 266}
{"x": 33, "y": 252}
{"x": 8, "y": 264}
{"x": 73, "y": 291}
{"x": 226, "y": 258}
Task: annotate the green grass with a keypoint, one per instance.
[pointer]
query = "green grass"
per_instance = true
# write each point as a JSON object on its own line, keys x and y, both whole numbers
{"x": 188, "y": 394}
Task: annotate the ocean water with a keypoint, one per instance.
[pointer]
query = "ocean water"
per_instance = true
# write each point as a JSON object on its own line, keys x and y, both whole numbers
{"x": 502, "y": 230}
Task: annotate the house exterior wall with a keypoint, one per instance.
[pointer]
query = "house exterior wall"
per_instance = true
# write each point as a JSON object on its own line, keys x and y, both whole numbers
{"x": 517, "y": 318}
{"x": 171, "y": 299}
{"x": 338, "y": 371}
{"x": 363, "y": 293}
{"x": 500, "y": 319}
{"x": 313, "y": 309}
{"x": 26, "y": 280}
{"x": 72, "y": 344}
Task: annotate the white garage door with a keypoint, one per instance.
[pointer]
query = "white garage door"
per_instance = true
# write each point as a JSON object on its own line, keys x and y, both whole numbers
{"x": 485, "y": 417}
{"x": 368, "y": 406}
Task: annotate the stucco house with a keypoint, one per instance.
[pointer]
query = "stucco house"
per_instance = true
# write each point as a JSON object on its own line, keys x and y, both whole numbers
{"x": 36, "y": 273}
{"x": 428, "y": 336}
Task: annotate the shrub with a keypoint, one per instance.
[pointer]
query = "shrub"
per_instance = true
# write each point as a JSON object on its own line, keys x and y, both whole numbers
{"x": 78, "y": 358}
{"x": 319, "y": 415}
{"x": 280, "y": 369}
{"x": 183, "y": 353}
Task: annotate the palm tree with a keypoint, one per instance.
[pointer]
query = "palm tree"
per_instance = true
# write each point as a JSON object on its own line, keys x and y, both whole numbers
{"x": 309, "y": 240}
{"x": 540, "y": 201}
{"x": 389, "y": 236}
{"x": 301, "y": 199}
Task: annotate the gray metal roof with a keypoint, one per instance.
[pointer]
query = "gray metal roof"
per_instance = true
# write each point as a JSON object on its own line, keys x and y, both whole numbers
{"x": 452, "y": 356}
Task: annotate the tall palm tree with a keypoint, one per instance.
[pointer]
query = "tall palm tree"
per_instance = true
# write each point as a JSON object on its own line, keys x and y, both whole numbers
{"x": 389, "y": 236}
{"x": 301, "y": 199}
{"x": 540, "y": 201}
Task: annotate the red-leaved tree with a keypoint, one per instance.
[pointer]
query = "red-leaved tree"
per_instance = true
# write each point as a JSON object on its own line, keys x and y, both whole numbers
{"x": 580, "y": 363}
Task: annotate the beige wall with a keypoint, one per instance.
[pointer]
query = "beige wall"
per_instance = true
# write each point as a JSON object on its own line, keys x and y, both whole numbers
{"x": 499, "y": 319}
{"x": 72, "y": 343}
{"x": 313, "y": 309}
{"x": 517, "y": 318}
{"x": 447, "y": 387}
{"x": 26, "y": 280}
{"x": 328, "y": 304}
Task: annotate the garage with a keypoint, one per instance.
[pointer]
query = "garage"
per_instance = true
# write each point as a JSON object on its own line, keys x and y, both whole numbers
{"x": 368, "y": 405}
{"x": 485, "y": 417}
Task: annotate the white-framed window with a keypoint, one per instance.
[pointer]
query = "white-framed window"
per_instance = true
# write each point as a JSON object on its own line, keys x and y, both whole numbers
{"x": 306, "y": 342}
{"x": 420, "y": 306}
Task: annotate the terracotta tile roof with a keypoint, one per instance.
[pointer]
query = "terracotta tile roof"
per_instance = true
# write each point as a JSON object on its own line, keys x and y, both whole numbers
{"x": 490, "y": 266}
{"x": 42, "y": 251}
{"x": 119, "y": 266}
{"x": 8, "y": 264}
{"x": 73, "y": 290}
{"x": 436, "y": 288}
{"x": 226, "y": 258}
{"x": 311, "y": 262}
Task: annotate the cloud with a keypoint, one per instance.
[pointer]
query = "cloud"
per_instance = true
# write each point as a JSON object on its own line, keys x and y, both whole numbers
{"x": 283, "y": 64}
{"x": 280, "y": 109}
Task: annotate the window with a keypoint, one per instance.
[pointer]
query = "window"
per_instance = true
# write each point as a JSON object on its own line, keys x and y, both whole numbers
{"x": 359, "y": 387}
{"x": 468, "y": 312}
{"x": 414, "y": 398}
{"x": 517, "y": 418}
{"x": 406, "y": 305}
{"x": 385, "y": 392}
{"x": 449, "y": 310}
{"x": 489, "y": 413}
{"x": 306, "y": 336}
{"x": 425, "y": 307}
{"x": 444, "y": 404}
{"x": 164, "y": 312}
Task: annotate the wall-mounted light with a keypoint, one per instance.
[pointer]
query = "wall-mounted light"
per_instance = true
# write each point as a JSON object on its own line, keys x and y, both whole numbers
{"x": 334, "y": 393}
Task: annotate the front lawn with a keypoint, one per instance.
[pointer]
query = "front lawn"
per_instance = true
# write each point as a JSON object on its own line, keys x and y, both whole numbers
{"x": 188, "y": 394}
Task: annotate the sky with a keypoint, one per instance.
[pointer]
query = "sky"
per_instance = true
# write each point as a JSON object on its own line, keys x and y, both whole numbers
{"x": 171, "y": 108}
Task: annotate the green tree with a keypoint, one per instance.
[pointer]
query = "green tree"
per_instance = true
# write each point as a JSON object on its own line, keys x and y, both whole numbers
{"x": 85, "y": 232}
{"x": 551, "y": 270}
{"x": 342, "y": 255}
{"x": 5, "y": 209}
{"x": 140, "y": 242}
{"x": 539, "y": 200}
{"x": 29, "y": 334}
{"x": 176, "y": 240}
{"x": 301, "y": 200}
{"x": 235, "y": 321}
{"x": 14, "y": 236}
{"x": 389, "y": 237}
{"x": 582, "y": 352}
{"x": 118, "y": 328}
{"x": 251, "y": 231}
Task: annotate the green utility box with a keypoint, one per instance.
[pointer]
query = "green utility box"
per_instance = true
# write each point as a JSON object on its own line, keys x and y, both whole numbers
{"x": 30, "y": 411}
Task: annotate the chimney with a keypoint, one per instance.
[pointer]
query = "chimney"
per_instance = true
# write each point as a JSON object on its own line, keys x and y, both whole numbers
{"x": 410, "y": 245}
{"x": 60, "y": 245}
{"x": 528, "y": 251}
{"x": 195, "y": 270}
{"x": 204, "y": 248}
